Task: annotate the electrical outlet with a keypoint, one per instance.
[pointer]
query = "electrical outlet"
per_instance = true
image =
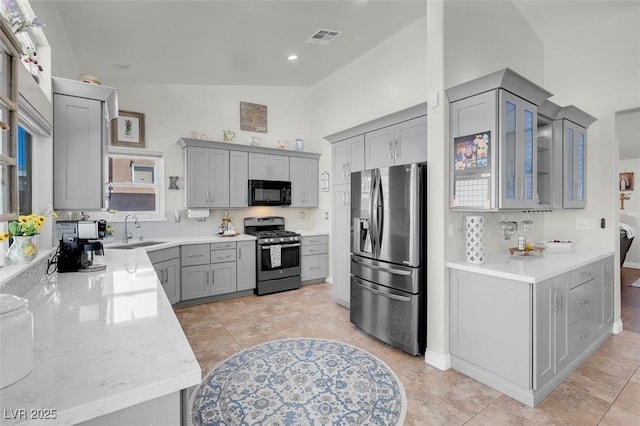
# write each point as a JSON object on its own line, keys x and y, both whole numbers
{"x": 582, "y": 223}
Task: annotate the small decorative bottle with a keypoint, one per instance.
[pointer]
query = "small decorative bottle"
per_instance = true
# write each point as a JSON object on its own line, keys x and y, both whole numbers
{"x": 299, "y": 144}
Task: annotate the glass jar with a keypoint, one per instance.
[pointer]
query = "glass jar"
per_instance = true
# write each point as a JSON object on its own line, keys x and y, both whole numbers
{"x": 16, "y": 339}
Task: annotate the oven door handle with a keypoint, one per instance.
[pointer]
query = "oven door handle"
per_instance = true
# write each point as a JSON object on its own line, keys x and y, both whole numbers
{"x": 281, "y": 245}
{"x": 381, "y": 268}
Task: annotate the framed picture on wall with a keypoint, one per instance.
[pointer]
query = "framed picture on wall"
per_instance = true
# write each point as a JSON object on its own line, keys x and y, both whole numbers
{"x": 626, "y": 181}
{"x": 127, "y": 129}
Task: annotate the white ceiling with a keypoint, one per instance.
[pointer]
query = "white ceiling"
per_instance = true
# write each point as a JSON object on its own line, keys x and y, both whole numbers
{"x": 224, "y": 42}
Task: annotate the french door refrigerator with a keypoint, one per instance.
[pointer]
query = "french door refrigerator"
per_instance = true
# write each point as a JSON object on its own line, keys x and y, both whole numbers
{"x": 388, "y": 255}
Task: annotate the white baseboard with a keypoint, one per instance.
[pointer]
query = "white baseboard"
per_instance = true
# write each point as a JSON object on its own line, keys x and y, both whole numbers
{"x": 634, "y": 265}
{"x": 617, "y": 327}
{"x": 438, "y": 360}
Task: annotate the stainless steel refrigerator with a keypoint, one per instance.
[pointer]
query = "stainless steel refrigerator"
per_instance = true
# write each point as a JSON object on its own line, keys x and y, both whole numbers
{"x": 388, "y": 255}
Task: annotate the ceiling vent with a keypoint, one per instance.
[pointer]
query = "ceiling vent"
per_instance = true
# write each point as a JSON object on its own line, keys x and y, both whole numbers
{"x": 323, "y": 37}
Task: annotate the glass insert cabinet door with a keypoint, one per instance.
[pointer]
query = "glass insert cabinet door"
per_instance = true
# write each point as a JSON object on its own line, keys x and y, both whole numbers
{"x": 574, "y": 160}
{"x": 518, "y": 152}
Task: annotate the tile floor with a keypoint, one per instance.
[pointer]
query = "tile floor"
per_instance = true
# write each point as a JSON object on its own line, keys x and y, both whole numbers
{"x": 604, "y": 390}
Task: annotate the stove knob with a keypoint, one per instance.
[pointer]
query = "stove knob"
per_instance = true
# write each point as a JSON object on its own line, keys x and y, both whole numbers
{"x": 281, "y": 239}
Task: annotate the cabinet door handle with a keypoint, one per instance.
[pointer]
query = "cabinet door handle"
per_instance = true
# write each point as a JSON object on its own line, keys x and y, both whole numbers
{"x": 213, "y": 277}
{"x": 585, "y": 301}
{"x": 395, "y": 149}
{"x": 206, "y": 195}
{"x": 207, "y": 282}
{"x": 313, "y": 268}
{"x": 585, "y": 335}
{"x": 165, "y": 275}
{"x": 390, "y": 150}
{"x": 240, "y": 253}
{"x": 554, "y": 305}
{"x": 348, "y": 167}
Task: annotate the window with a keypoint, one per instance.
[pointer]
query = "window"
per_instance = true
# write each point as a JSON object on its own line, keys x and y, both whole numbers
{"x": 25, "y": 174}
{"x": 134, "y": 184}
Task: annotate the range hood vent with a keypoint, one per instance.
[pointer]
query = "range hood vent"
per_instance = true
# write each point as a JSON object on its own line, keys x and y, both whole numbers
{"x": 323, "y": 37}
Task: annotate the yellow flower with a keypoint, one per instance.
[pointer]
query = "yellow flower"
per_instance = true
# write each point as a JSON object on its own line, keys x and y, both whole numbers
{"x": 26, "y": 225}
{"x": 4, "y": 236}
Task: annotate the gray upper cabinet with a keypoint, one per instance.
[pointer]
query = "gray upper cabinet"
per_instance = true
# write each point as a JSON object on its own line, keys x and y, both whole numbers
{"x": 268, "y": 166}
{"x": 238, "y": 178}
{"x": 494, "y": 156}
{"x": 81, "y": 115}
{"x": 570, "y": 156}
{"x": 512, "y": 149}
{"x": 207, "y": 173}
{"x": 304, "y": 182}
{"x": 401, "y": 143}
{"x": 347, "y": 157}
{"x": 218, "y": 177}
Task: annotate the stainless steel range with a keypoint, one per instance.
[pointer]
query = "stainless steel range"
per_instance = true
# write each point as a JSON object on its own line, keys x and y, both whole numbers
{"x": 278, "y": 254}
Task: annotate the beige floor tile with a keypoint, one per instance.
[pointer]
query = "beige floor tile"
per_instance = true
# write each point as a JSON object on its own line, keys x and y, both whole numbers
{"x": 570, "y": 404}
{"x": 636, "y": 376}
{"x": 620, "y": 366}
{"x": 618, "y": 416}
{"x": 597, "y": 383}
{"x": 629, "y": 399}
{"x": 506, "y": 411}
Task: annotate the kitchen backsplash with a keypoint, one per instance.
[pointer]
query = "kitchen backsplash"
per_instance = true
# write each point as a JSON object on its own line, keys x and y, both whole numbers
{"x": 191, "y": 227}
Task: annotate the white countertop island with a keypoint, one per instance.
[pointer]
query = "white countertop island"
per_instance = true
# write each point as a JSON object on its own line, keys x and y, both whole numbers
{"x": 103, "y": 341}
{"x": 534, "y": 268}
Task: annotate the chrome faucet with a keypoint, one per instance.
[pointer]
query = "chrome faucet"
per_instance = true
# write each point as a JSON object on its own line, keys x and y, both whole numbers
{"x": 126, "y": 235}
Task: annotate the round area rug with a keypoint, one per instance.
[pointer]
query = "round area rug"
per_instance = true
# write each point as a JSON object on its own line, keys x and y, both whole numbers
{"x": 300, "y": 382}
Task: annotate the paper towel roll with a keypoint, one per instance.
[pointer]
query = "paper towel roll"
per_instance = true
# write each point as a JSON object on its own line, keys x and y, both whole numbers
{"x": 197, "y": 213}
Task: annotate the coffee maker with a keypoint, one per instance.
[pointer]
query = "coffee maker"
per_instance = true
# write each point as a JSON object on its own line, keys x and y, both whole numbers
{"x": 80, "y": 245}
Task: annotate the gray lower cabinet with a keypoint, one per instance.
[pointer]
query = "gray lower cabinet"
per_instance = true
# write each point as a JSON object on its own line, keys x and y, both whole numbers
{"x": 523, "y": 338}
{"x": 552, "y": 327}
{"x": 246, "y": 265}
{"x": 314, "y": 258}
{"x": 217, "y": 268}
{"x": 167, "y": 266}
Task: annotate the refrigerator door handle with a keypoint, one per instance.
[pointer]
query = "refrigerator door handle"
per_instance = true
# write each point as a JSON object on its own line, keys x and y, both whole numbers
{"x": 380, "y": 292}
{"x": 382, "y": 268}
{"x": 380, "y": 212}
{"x": 372, "y": 209}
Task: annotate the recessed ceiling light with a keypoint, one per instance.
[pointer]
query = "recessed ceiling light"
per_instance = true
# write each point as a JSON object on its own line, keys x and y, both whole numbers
{"x": 292, "y": 57}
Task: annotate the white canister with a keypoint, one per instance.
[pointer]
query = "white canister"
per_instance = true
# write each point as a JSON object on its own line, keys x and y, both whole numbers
{"x": 16, "y": 339}
{"x": 474, "y": 252}
{"x": 299, "y": 144}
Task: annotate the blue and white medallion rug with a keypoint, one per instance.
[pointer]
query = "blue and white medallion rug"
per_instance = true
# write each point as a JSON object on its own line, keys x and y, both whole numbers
{"x": 300, "y": 382}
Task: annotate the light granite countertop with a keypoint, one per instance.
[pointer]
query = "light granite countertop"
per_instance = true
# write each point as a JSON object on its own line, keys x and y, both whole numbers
{"x": 103, "y": 341}
{"x": 533, "y": 268}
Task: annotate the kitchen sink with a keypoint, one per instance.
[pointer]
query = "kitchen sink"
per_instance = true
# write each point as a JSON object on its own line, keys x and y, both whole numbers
{"x": 136, "y": 245}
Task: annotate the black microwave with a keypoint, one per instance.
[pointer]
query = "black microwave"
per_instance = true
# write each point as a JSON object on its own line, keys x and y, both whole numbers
{"x": 269, "y": 193}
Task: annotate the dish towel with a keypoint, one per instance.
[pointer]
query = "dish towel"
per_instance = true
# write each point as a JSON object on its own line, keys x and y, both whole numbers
{"x": 630, "y": 230}
{"x": 275, "y": 252}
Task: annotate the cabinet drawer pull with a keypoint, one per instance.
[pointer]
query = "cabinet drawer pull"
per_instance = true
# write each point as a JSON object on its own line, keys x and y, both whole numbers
{"x": 585, "y": 274}
{"x": 196, "y": 255}
{"x": 313, "y": 268}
